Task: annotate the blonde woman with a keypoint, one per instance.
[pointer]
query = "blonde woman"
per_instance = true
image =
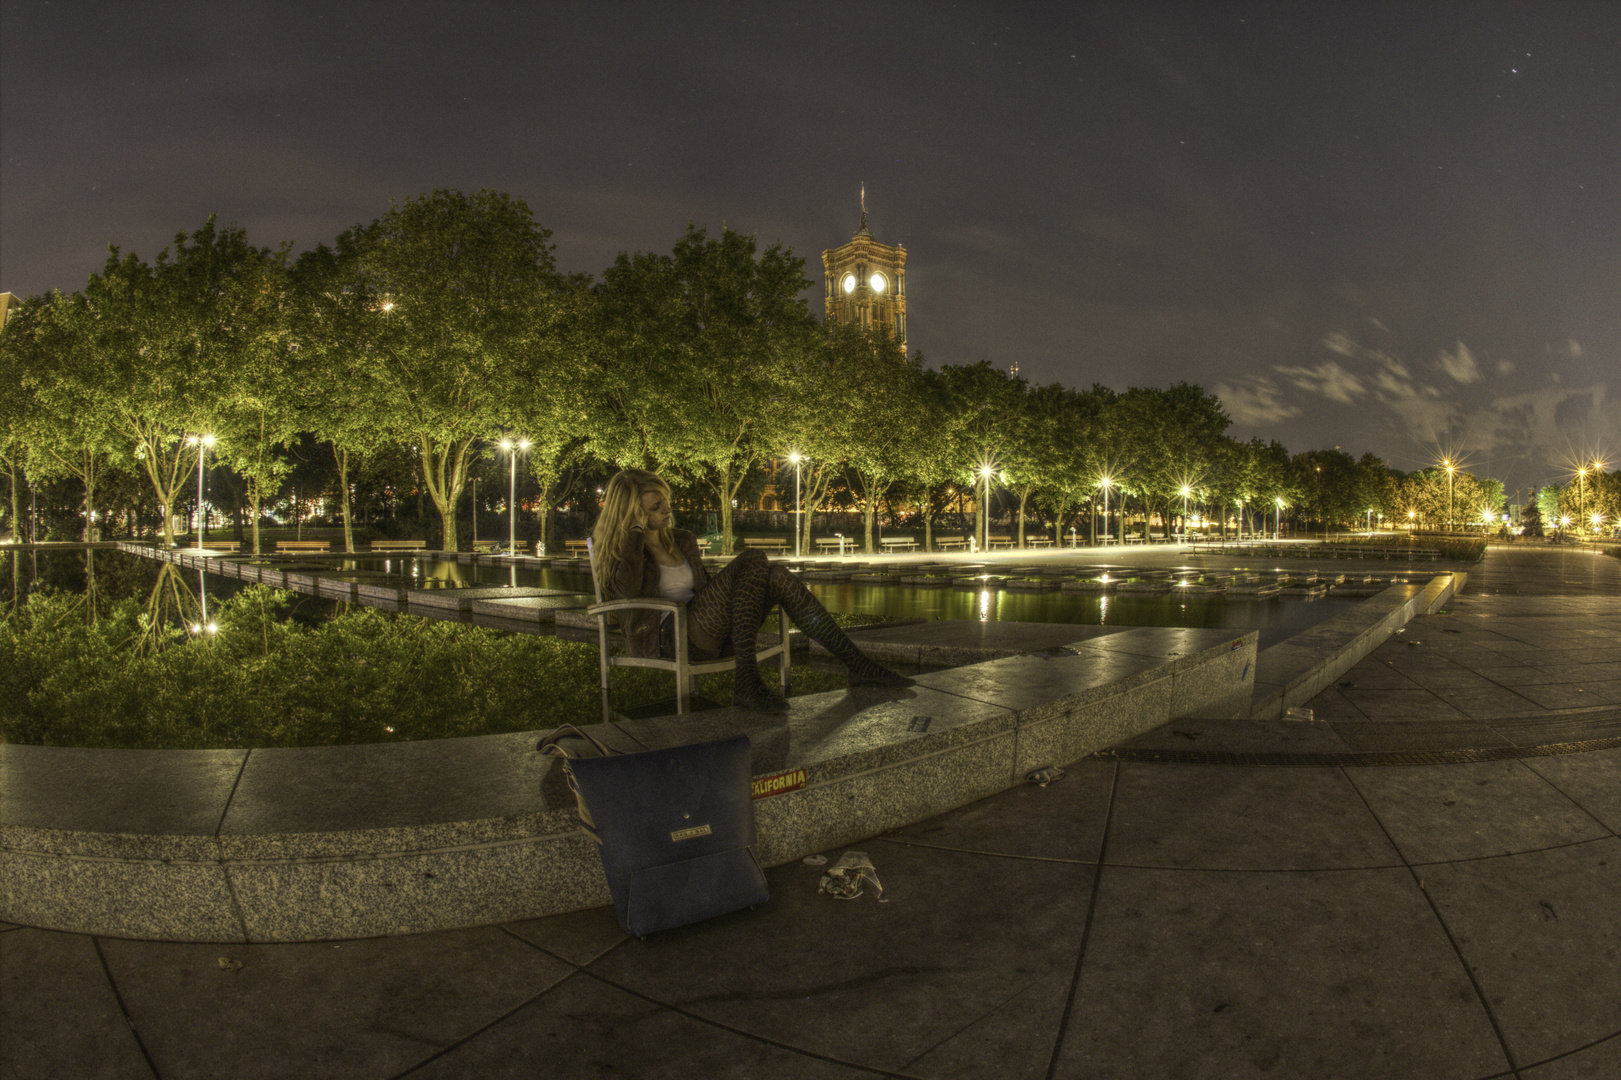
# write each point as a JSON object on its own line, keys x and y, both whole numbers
{"x": 636, "y": 552}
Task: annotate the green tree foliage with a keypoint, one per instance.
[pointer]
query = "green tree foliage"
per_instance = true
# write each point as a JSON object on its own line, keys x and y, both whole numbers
{"x": 694, "y": 353}
{"x": 448, "y": 297}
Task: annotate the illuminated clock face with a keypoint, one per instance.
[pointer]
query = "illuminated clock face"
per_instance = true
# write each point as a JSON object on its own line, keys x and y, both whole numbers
{"x": 849, "y": 283}
{"x": 878, "y": 283}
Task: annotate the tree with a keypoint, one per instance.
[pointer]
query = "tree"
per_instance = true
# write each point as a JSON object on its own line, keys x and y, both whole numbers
{"x": 155, "y": 347}
{"x": 694, "y": 353}
{"x": 447, "y": 297}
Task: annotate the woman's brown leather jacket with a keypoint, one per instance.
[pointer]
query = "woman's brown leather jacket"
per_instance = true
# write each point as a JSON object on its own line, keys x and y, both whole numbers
{"x": 638, "y": 575}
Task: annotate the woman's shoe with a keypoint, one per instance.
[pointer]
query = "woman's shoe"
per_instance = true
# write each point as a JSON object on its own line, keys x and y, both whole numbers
{"x": 754, "y": 695}
{"x": 883, "y": 677}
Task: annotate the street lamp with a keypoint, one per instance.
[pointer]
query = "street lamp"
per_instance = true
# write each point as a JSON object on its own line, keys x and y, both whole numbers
{"x": 985, "y": 514}
{"x": 512, "y": 496}
{"x": 202, "y": 443}
{"x": 1450, "y": 468}
{"x": 1106, "y": 483}
{"x": 1277, "y": 521}
{"x": 1409, "y": 521}
{"x": 1185, "y": 493}
{"x": 794, "y": 457}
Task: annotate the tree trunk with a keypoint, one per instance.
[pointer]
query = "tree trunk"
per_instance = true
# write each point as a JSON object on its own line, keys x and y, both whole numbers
{"x": 254, "y": 502}
{"x": 725, "y": 491}
{"x": 89, "y": 476}
{"x": 1024, "y": 497}
{"x": 16, "y": 520}
{"x": 343, "y": 489}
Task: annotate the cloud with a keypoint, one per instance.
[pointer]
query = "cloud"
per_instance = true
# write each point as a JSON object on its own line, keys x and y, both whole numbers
{"x": 1327, "y": 379}
{"x": 1575, "y": 349}
{"x": 1461, "y": 364}
{"x": 1338, "y": 341}
{"x": 1255, "y": 404}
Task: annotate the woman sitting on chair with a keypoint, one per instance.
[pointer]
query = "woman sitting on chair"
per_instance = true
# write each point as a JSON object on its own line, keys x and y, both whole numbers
{"x": 637, "y": 553}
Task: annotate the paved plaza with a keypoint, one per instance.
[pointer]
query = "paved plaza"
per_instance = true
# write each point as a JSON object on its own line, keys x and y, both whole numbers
{"x": 1421, "y": 881}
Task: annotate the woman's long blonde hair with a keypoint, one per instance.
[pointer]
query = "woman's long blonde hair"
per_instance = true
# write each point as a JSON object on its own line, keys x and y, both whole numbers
{"x": 622, "y": 508}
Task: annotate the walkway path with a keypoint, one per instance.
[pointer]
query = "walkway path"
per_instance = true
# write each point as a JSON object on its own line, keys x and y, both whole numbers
{"x": 1139, "y": 918}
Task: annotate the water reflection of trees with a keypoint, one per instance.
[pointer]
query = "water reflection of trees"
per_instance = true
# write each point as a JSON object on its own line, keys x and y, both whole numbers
{"x": 169, "y": 598}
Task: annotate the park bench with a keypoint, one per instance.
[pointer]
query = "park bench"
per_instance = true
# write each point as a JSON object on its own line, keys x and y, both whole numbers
{"x": 826, "y": 544}
{"x": 303, "y": 545}
{"x": 898, "y": 543}
{"x": 769, "y": 544}
{"x": 398, "y": 545}
{"x": 576, "y": 547}
{"x": 999, "y": 542}
{"x": 703, "y": 543}
{"x": 950, "y": 543}
{"x": 1038, "y": 541}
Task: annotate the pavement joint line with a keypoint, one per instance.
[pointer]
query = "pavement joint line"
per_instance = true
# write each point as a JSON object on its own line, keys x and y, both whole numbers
{"x": 1577, "y": 803}
{"x": 1359, "y": 758}
{"x": 470, "y": 1036}
{"x": 990, "y": 854}
{"x": 1600, "y": 1041}
{"x": 1457, "y": 951}
{"x": 1086, "y": 929}
{"x": 129, "y": 1021}
{"x": 1515, "y": 854}
{"x": 789, "y": 1047}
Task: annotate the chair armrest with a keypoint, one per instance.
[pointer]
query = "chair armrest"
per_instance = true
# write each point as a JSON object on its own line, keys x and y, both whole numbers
{"x": 656, "y": 603}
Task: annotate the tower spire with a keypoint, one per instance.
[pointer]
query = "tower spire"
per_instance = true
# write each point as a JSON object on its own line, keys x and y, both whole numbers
{"x": 862, "y": 231}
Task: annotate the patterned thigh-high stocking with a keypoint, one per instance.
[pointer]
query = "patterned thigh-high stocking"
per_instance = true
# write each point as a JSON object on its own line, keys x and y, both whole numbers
{"x": 811, "y": 617}
{"x": 733, "y": 607}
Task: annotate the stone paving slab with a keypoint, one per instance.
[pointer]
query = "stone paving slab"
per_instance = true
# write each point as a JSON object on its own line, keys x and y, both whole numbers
{"x": 386, "y": 1002}
{"x": 1472, "y": 811}
{"x": 1541, "y": 934}
{"x": 59, "y": 1015}
{"x": 1284, "y": 974}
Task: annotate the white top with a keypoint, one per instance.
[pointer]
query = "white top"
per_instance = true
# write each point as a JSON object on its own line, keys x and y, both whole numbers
{"x": 675, "y": 582}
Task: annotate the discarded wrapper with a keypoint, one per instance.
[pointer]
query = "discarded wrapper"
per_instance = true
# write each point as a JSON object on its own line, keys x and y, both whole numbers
{"x": 844, "y": 879}
{"x": 230, "y": 964}
{"x": 1297, "y": 714}
{"x": 814, "y": 860}
{"x": 1045, "y": 775}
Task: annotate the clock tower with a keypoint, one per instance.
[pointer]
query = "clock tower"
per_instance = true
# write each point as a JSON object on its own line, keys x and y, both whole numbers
{"x": 865, "y": 282}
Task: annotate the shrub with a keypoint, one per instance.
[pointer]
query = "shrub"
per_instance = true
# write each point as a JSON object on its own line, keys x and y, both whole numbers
{"x": 266, "y": 680}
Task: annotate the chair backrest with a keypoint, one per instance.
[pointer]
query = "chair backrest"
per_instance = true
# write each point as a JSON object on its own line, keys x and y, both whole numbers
{"x": 596, "y": 586}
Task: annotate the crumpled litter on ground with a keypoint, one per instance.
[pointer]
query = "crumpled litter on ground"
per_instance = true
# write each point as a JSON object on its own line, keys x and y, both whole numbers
{"x": 1045, "y": 775}
{"x": 845, "y": 878}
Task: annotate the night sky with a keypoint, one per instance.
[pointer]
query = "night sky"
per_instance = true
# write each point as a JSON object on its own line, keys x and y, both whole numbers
{"x": 1388, "y": 227}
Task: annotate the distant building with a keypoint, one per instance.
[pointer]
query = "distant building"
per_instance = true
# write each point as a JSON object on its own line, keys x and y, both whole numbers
{"x": 865, "y": 281}
{"x": 8, "y": 301}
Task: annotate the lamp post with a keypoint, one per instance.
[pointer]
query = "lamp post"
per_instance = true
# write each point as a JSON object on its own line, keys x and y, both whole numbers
{"x": 202, "y": 443}
{"x": 1277, "y": 521}
{"x": 1450, "y": 468}
{"x": 512, "y": 496}
{"x": 794, "y": 457}
{"x": 985, "y": 514}
{"x": 1107, "y": 482}
{"x": 1185, "y": 492}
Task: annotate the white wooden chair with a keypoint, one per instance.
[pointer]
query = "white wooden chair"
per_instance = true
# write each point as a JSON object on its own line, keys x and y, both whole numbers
{"x": 685, "y": 670}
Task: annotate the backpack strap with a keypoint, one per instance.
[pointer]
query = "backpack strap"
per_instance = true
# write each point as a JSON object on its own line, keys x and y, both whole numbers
{"x": 566, "y": 744}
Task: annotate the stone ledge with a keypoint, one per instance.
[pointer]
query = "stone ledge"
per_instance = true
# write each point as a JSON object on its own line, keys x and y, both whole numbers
{"x": 1295, "y": 671}
{"x": 341, "y": 842}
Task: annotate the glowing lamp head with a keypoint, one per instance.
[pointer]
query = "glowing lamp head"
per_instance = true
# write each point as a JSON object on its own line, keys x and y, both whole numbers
{"x": 506, "y": 444}
{"x": 985, "y": 471}
{"x": 524, "y": 445}
{"x": 1186, "y": 492}
{"x": 794, "y": 458}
